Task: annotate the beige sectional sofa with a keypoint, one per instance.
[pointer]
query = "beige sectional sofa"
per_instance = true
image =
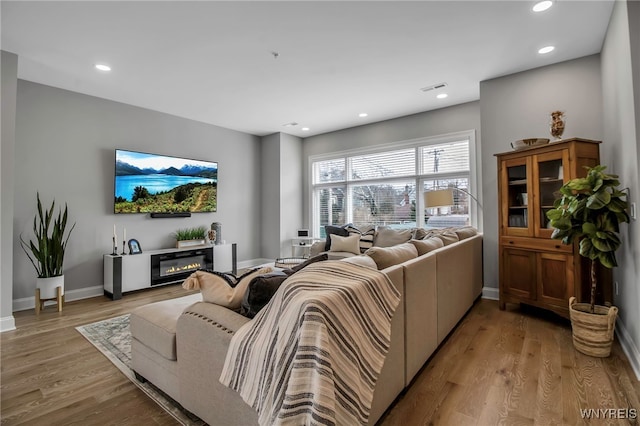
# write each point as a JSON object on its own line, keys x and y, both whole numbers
{"x": 180, "y": 345}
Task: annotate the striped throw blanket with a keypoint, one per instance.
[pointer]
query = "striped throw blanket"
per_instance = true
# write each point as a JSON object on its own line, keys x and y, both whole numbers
{"x": 313, "y": 355}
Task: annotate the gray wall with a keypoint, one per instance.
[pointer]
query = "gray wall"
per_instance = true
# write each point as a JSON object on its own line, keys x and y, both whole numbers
{"x": 270, "y": 196}
{"x": 620, "y": 152}
{"x": 9, "y": 72}
{"x": 65, "y": 145}
{"x": 518, "y": 106}
{"x": 281, "y": 208}
{"x": 432, "y": 123}
{"x": 290, "y": 191}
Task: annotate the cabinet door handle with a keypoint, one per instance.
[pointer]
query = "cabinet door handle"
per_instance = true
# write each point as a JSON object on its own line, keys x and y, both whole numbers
{"x": 511, "y": 242}
{"x": 557, "y": 247}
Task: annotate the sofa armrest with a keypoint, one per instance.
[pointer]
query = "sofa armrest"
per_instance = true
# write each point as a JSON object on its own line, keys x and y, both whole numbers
{"x": 203, "y": 335}
{"x": 391, "y": 380}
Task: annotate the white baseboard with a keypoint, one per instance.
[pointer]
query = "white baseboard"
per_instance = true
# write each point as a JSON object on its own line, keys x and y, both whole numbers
{"x": 252, "y": 263}
{"x": 69, "y": 295}
{"x": 490, "y": 293}
{"x": 7, "y": 324}
{"x": 26, "y": 303}
{"x": 628, "y": 347}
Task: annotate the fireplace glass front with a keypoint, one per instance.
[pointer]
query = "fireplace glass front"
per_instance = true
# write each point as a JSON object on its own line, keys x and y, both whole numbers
{"x": 178, "y": 265}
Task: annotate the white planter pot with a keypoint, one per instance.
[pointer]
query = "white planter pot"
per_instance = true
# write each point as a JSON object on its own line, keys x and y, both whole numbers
{"x": 48, "y": 286}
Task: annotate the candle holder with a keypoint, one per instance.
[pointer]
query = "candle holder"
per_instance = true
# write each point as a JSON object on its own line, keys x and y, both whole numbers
{"x": 124, "y": 244}
{"x": 115, "y": 247}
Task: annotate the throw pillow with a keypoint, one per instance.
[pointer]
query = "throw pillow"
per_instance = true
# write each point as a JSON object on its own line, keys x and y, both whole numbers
{"x": 465, "y": 232}
{"x": 262, "y": 288}
{"x": 448, "y": 237}
{"x": 387, "y": 237}
{"x": 366, "y": 233}
{"x": 418, "y": 233}
{"x": 222, "y": 289}
{"x": 361, "y": 260}
{"x": 389, "y": 256}
{"x": 349, "y": 244}
{"x": 260, "y": 291}
{"x": 333, "y": 230}
{"x": 437, "y": 231}
{"x": 427, "y": 245}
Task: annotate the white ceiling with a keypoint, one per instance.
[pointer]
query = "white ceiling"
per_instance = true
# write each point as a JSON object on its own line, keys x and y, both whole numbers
{"x": 212, "y": 61}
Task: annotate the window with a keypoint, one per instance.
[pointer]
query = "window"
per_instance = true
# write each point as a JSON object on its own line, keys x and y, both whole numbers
{"x": 385, "y": 185}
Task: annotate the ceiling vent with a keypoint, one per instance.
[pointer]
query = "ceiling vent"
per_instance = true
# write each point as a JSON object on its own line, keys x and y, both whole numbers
{"x": 292, "y": 124}
{"x": 434, "y": 87}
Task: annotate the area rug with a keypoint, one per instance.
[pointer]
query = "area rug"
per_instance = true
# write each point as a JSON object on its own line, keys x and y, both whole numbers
{"x": 112, "y": 337}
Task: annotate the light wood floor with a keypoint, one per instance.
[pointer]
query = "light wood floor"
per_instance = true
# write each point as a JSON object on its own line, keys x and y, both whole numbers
{"x": 498, "y": 367}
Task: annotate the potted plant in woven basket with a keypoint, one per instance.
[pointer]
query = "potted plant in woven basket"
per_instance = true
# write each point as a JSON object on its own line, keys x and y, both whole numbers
{"x": 591, "y": 210}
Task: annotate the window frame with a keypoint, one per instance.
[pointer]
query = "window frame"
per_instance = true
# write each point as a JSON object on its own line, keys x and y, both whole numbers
{"x": 473, "y": 176}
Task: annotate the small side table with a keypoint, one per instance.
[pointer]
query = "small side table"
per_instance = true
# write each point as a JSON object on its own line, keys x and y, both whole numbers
{"x": 303, "y": 244}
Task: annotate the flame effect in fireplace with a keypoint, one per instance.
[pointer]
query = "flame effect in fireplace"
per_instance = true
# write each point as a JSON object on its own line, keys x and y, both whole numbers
{"x": 176, "y": 270}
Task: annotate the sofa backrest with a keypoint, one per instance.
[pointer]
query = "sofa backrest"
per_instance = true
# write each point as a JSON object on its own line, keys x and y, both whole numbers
{"x": 440, "y": 286}
{"x": 459, "y": 277}
{"x": 421, "y": 312}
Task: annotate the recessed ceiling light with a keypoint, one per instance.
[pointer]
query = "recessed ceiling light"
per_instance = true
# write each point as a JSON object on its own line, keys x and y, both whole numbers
{"x": 542, "y": 6}
{"x": 305, "y": 129}
{"x": 546, "y": 49}
{"x": 103, "y": 67}
{"x": 442, "y": 96}
{"x": 363, "y": 114}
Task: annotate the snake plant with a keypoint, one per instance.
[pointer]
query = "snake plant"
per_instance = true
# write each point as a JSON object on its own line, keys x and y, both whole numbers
{"x": 591, "y": 210}
{"x": 47, "y": 252}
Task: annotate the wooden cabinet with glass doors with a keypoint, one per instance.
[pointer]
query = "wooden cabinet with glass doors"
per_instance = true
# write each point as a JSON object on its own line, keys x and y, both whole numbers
{"x": 535, "y": 269}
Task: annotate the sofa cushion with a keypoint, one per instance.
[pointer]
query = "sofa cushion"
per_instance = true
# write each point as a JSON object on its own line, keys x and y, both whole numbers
{"x": 350, "y": 244}
{"x": 154, "y": 324}
{"x": 418, "y": 233}
{"x": 449, "y": 237}
{"x": 222, "y": 289}
{"x": 388, "y": 237}
{"x": 333, "y": 230}
{"x": 427, "y": 245}
{"x": 361, "y": 260}
{"x": 260, "y": 291}
{"x": 389, "y": 256}
{"x": 465, "y": 232}
{"x": 366, "y": 234}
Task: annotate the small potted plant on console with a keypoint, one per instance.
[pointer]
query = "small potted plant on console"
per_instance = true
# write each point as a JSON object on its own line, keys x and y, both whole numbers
{"x": 190, "y": 237}
{"x": 591, "y": 210}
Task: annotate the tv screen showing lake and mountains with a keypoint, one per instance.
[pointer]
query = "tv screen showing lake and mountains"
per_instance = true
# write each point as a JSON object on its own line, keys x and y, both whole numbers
{"x": 150, "y": 183}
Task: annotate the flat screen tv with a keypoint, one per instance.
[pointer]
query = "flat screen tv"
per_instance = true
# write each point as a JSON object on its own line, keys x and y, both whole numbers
{"x": 151, "y": 183}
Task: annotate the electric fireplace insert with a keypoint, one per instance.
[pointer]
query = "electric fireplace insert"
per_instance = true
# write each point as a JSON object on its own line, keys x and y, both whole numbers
{"x": 178, "y": 265}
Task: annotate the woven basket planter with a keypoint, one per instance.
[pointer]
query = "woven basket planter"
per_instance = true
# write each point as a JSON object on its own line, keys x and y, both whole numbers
{"x": 592, "y": 333}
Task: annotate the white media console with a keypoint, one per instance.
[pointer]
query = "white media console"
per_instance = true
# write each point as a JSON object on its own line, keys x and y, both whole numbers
{"x": 125, "y": 273}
